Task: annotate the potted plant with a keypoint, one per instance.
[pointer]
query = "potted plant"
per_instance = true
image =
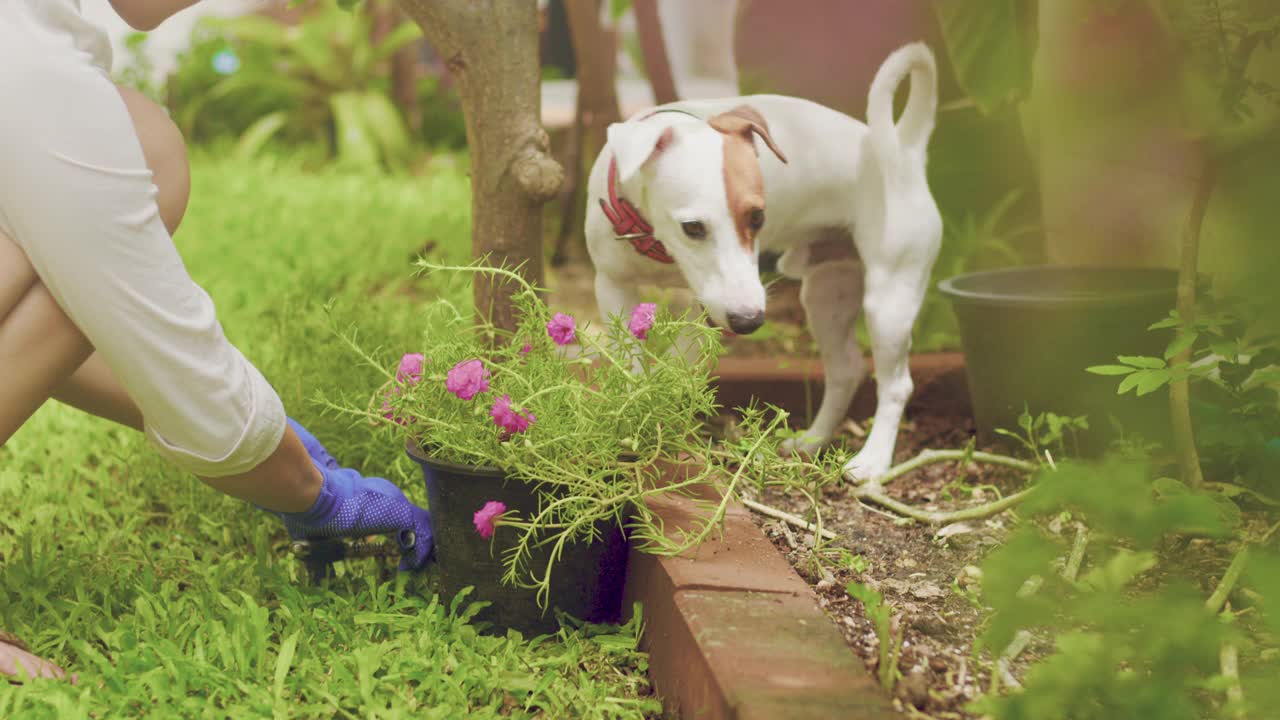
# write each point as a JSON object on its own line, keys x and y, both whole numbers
{"x": 540, "y": 446}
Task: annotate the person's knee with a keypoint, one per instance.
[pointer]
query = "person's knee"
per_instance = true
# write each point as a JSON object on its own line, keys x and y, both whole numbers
{"x": 166, "y": 154}
{"x": 16, "y": 275}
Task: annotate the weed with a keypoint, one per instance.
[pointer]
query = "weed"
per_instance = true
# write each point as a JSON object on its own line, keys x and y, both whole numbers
{"x": 880, "y": 613}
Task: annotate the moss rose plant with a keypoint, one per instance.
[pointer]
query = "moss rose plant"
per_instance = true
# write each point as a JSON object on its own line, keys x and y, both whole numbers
{"x": 590, "y": 416}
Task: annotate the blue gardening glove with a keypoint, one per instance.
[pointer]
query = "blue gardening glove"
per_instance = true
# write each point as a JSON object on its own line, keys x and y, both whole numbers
{"x": 351, "y": 505}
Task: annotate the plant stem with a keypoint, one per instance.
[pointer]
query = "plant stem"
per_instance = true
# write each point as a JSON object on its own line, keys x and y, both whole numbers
{"x": 875, "y": 495}
{"x": 729, "y": 489}
{"x": 1019, "y": 643}
{"x": 787, "y": 518}
{"x": 929, "y": 457}
{"x": 1229, "y": 658}
{"x": 1179, "y": 394}
{"x": 1077, "y": 554}
{"x": 1228, "y": 582}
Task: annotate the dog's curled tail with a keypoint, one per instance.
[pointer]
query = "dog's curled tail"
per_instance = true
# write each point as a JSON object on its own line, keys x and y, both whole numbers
{"x": 911, "y": 133}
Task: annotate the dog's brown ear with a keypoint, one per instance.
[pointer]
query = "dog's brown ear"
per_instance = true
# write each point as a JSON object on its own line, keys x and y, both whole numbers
{"x": 745, "y": 120}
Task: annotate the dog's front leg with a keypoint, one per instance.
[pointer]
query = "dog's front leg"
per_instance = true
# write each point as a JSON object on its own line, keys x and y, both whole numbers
{"x": 832, "y": 295}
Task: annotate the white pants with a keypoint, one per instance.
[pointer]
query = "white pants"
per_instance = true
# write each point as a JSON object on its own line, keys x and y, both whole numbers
{"x": 77, "y": 197}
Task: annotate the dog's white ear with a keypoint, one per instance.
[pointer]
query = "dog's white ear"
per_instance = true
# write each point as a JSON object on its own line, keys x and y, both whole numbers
{"x": 635, "y": 144}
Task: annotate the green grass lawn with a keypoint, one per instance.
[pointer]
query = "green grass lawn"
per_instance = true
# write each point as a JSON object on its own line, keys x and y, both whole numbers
{"x": 171, "y": 600}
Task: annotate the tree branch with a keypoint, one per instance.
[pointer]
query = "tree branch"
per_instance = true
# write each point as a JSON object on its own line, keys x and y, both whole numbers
{"x": 654, "y": 47}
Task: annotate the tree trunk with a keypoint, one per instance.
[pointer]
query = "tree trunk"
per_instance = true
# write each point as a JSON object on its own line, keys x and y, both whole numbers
{"x": 1188, "y": 276}
{"x": 595, "y": 58}
{"x": 654, "y": 47}
{"x": 491, "y": 49}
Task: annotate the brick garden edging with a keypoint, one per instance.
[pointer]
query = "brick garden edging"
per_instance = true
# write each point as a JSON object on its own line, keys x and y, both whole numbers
{"x": 732, "y": 631}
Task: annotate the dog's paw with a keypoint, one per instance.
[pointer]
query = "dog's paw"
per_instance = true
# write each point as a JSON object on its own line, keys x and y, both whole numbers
{"x": 803, "y": 445}
{"x": 865, "y": 468}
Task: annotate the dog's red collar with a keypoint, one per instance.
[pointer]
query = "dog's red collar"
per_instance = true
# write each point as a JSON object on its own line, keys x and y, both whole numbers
{"x": 629, "y": 225}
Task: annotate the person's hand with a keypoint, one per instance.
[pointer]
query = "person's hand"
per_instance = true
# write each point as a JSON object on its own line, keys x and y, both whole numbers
{"x": 351, "y": 505}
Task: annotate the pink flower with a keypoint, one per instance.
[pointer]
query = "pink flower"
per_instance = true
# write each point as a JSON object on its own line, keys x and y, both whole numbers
{"x": 486, "y": 516}
{"x": 525, "y": 350}
{"x": 409, "y": 373}
{"x": 642, "y": 320}
{"x": 410, "y": 370}
{"x": 561, "y": 329}
{"x": 510, "y": 420}
{"x": 467, "y": 379}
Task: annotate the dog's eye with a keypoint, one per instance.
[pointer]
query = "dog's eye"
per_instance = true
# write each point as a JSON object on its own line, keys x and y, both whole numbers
{"x": 756, "y": 219}
{"x": 695, "y": 230}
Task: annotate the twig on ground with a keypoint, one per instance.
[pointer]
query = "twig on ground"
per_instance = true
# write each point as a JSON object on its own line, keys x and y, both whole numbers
{"x": 1011, "y": 653}
{"x": 929, "y": 457}
{"x": 788, "y": 518}
{"x": 872, "y": 491}
{"x": 1229, "y": 659}
{"x": 874, "y": 494}
{"x": 1077, "y": 553}
{"x": 1267, "y": 537}
{"x": 1023, "y": 637}
{"x": 1228, "y": 582}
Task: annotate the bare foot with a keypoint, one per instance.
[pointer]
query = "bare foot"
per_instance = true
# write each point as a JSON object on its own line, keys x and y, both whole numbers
{"x": 15, "y": 661}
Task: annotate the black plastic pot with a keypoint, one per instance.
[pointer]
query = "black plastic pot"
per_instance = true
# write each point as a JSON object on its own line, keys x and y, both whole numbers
{"x": 1029, "y": 333}
{"x": 586, "y": 582}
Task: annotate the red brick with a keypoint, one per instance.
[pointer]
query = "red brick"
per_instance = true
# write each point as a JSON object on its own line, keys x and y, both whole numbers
{"x": 735, "y": 634}
{"x": 736, "y": 655}
{"x": 736, "y": 557}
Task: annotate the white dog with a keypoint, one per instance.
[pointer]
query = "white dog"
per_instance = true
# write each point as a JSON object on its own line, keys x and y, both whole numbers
{"x": 678, "y": 194}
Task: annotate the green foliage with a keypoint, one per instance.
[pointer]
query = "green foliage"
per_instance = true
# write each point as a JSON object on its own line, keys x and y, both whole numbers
{"x": 881, "y": 615}
{"x": 1133, "y": 639}
{"x": 988, "y": 49}
{"x": 1223, "y": 37}
{"x": 321, "y": 81}
{"x": 1234, "y": 372}
{"x": 172, "y": 600}
{"x": 618, "y": 8}
{"x": 1047, "y": 431}
{"x": 1143, "y": 658}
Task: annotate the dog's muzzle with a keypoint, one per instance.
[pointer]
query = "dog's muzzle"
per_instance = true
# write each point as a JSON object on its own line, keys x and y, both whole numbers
{"x": 745, "y": 323}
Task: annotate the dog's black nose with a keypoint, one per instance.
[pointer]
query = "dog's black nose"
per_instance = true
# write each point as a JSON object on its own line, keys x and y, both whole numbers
{"x": 747, "y": 322}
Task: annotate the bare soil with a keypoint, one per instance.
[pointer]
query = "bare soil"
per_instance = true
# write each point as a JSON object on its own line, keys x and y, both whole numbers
{"x": 928, "y": 575}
